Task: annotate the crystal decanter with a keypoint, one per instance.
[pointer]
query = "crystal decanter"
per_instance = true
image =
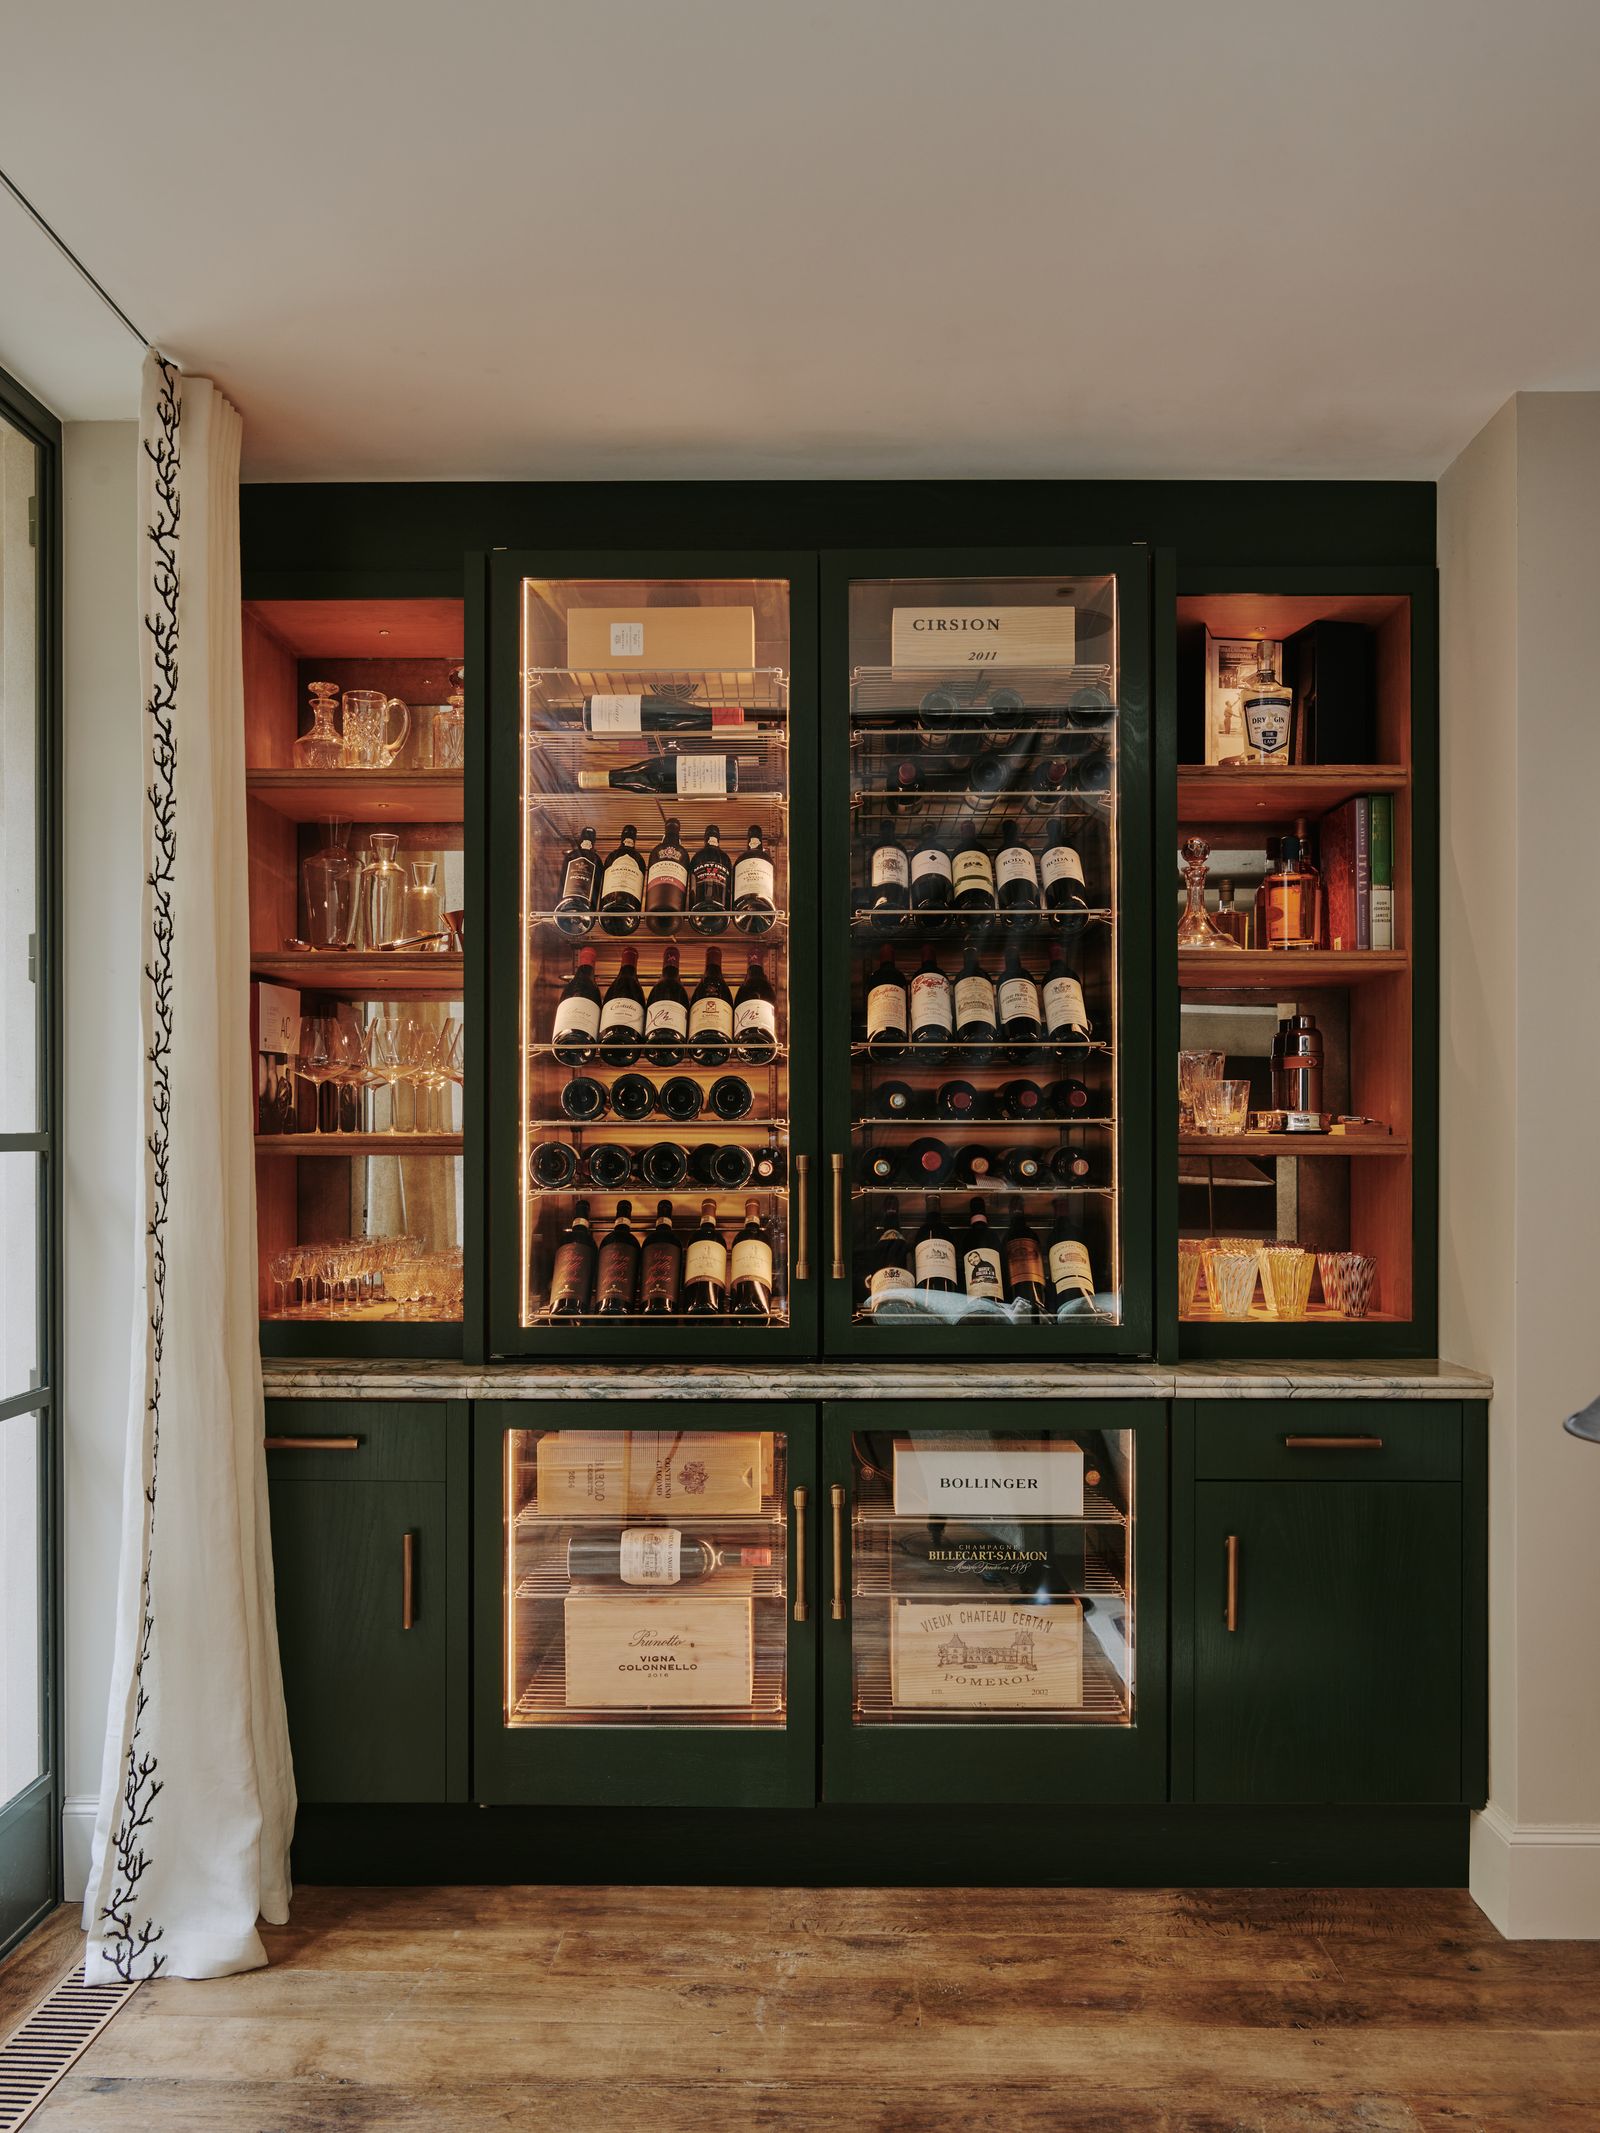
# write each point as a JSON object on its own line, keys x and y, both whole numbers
{"x": 323, "y": 747}
{"x": 1197, "y": 928}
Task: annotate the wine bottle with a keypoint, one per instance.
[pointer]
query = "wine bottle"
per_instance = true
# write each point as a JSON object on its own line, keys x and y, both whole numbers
{"x": 711, "y": 1015}
{"x": 666, "y": 1014}
{"x": 584, "y": 1099}
{"x": 982, "y": 1276}
{"x": 705, "y": 1267}
{"x": 622, "y": 1015}
{"x": 633, "y": 1096}
{"x": 690, "y": 777}
{"x": 657, "y": 1555}
{"x": 622, "y": 885}
{"x": 1016, "y": 874}
{"x": 1071, "y": 1274}
{"x": 1065, "y": 1015}
{"x": 932, "y": 888}
{"x": 750, "y": 1267}
{"x": 1092, "y": 773}
{"x": 614, "y": 715}
{"x": 972, "y": 877}
{"x": 996, "y": 770}
{"x": 1102, "y": 1471}
{"x": 755, "y": 1015}
{"x": 730, "y": 1096}
{"x": 616, "y": 1282}
{"x": 726, "y": 1164}
{"x": 572, "y": 1273}
{"x": 956, "y": 1099}
{"x": 577, "y": 1015}
{"x": 941, "y": 707}
{"x": 1061, "y": 879}
{"x": 933, "y": 1256}
{"x": 1024, "y": 1266}
{"x": 580, "y": 874}
{"x": 896, "y": 1099}
{"x": 1021, "y": 1013}
{"x": 607, "y": 1165}
{"x": 889, "y": 884}
{"x": 660, "y": 1260}
{"x": 932, "y": 1009}
{"x": 1068, "y": 1098}
{"x": 769, "y": 1165}
{"x": 975, "y": 1011}
{"x": 666, "y": 881}
{"x": 1046, "y": 782}
{"x": 553, "y": 1165}
{"x": 1022, "y": 1166}
{"x": 927, "y": 1161}
{"x": 891, "y": 1285}
{"x": 663, "y": 1165}
{"x": 1019, "y": 1099}
{"x": 754, "y": 885}
{"x": 679, "y": 1099}
{"x": 710, "y": 885}
{"x": 888, "y": 1007}
{"x": 973, "y": 1164}
{"x": 878, "y": 1166}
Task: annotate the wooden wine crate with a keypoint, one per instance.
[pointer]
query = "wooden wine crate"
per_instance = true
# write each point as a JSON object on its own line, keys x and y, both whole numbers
{"x": 976, "y": 1655}
{"x": 715, "y": 640}
{"x": 984, "y": 636}
{"x": 631, "y": 1651}
{"x": 641, "y": 1472}
{"x": 953, "y": 1475}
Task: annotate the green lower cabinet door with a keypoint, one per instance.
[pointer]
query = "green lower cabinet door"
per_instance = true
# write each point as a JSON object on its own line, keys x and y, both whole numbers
{"x": 1334, "y": 1675}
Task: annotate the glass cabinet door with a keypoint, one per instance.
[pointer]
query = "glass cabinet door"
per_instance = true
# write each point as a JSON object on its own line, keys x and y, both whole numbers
{"x": 648, "y": 988}
{"x": 986, "y": 1195}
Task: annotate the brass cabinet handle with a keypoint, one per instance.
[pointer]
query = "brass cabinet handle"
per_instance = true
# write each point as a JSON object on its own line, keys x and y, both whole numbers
{"x": 312, "y": 1444}
{"x": 802, "y": 1250}
{"x": 1230, "y": 1609}
{"x": 408, "y": 1580}
{"x": 800, "y": 1608}
{"x": 837, "y": 1494}
{"x": 1333, "y": 1444}
{"x": 837, "y": 1162}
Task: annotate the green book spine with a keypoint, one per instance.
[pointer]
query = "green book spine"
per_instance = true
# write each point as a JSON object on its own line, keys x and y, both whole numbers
{"x": 1383, "y": 870}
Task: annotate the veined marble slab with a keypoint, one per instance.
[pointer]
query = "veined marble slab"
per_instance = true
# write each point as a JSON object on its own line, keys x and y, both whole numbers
{"x": 440, "y": 1380}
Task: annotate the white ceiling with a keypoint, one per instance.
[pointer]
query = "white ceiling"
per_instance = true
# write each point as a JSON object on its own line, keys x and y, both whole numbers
{"x": 656, "y": 238}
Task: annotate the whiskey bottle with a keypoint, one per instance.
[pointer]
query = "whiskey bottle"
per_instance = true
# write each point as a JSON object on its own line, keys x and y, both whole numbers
{"x": 754, "y": 885}
{"x": 666, "y": 881}
{"x": 622, "y": 1014}
{"x": 891, "y": 1286}
{"x": 982, "y": 1276}
{"x": 1234, "y": 922}
{"x": 616, "y": 1280}
{"x": 710, "y": 885}
{"x": 705, "y": 1268}
{"x": 755, "y": 1015}
{"x": 660, "y": 1259}
{"x": 622, "y": 885}
{"x": 889, "y": 884}
{"x": 666, "y": 1014}
{"x": 572, "y": 1274}
{"x": 750, "y": 1267}
{"x": 1287, "y": 897}
{"x": 888, "y": 1007}
{"x": 933, "y": 1256}
{"x": 577, "y": 1015}
{"x": 690, "y": 777}
{"x": 657, "y": 1555}
{"x": 580, "y": 874}
{"x": 932, "y": 1009}
{"x": 711, "y": 1015}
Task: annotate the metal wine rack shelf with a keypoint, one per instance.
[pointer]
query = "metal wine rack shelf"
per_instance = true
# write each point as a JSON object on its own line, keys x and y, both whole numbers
{"x": 543, "y": 1700}
{"x": 549, "y": 1581}
{"x": 871, "y": 1578}
{"x": 899, "y": 692}
{"x": 956, "y": 928}
{"x": 563, "y": 689}
{"x": 1105, "y": 1698}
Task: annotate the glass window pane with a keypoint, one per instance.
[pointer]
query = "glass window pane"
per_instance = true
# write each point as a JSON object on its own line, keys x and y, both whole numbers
{"x": 19, "y": 1274}
{"x": 21, "y": 1626}
{"x": 19, "y": 713}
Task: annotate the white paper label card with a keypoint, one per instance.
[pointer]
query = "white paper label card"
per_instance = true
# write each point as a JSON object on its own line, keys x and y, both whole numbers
{"x": 627, "y": 640}
{"x": 985, "y": 636}
{"x": 997, "y": 1483}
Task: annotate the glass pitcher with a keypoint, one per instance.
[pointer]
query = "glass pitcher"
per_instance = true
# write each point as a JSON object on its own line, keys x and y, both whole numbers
{"x": 384, "y": 882}
{"x": 329, "y": 880}
{"x": 423, "y": 908}
{"x": 323, "y": 747}
{"x": 367, "y": 745}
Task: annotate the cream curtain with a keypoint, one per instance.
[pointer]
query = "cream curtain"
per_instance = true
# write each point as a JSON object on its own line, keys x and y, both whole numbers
{"x": 197, "y": 1797}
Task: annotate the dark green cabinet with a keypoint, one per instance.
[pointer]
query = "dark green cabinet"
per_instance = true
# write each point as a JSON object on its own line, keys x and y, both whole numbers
{"x": 368, "y": 1507}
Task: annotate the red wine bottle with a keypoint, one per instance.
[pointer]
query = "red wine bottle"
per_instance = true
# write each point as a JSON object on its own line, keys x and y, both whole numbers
{"x": 933, "y": 1256}
{"x": 888, "y": 1007}
{"x": 666, "y": 881}
{"x": 972, "y": 877}
{"x": 754, "y": 885}
{"x": 982, "y": 1275}
{"x": 705, "y": 1268}
{"x": 711, "y": 1015}
{"x": 878, "y": 1166}
{"x": 689, "y": 776}
{"x": 710, "y": 885}
{"x": 1065, "y": 1015}
{"x": 1024, "y": 1267}
{"x": 975, "y": 1011}
{"x": 633, "y": 1096}
{"x": 1021, "y": 1013}
{"x": 580, "y": 875}
{"x": 726, "y": 1164}
{"x": 932, "y": 889}
{"x": 622, "y": 1014}
{"x": 927, "y": 1162}
{"x": 755, "y": 1015}
{"x": 660, "y": 1259}
{"x": 666, "y": 1014}
{"x": 730, "y": 1097}
{"x": 750, "y": 1267}
{"x": 1062, "y": 881}
{"x": 607, "y": 1165}
{"x": 889, "y": 884}
{"x": 1071, "y": 1274}
{"x": 891, "y": 1286}
{"x": 1016, "y": 874}
{"x": 679, "y": 1099}
{"x": 572, "y": 1274}
{"x": 932, "y": 1009}
{"x": 553, "y": 1165}
{"x": 616, "y": 1280}
{"x": 622, "y": 885}
{"x": 584, "y": 1099}
{"x": 663, "y": 1165}
{"x": 577, "y": 1015}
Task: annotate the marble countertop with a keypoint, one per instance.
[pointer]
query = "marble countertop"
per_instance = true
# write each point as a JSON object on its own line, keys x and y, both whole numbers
{"x": 1429, "y": 1379}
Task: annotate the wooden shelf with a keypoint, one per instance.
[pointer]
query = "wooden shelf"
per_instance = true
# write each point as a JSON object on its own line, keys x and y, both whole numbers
{"x": 1211, "y": 793}
{"x": 360, "y": 795}
{"x": 370, "y": 976}
{"x": 350, "y": 1144}
{"x": 1285, "y": 971}
{"x": 397, "y": 628}
{"x": 1292, "y": 1144}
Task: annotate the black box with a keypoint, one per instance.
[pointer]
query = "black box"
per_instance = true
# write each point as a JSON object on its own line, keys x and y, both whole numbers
{"x": 1330, "y": 667}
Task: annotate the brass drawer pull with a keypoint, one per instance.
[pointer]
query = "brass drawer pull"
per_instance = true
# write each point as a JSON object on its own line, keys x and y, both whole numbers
{"x": 1333, "y": 1444}
{"x": 802, "y": 1250}
{"x": 1230, "y": 1609}
{"x": 312, "y": 1444}
{"x": 837, "y": 1162}
{"x": 408, "y": 1580}
{"x": 837, "y": 1494}
{"x": 800, "y": 1608}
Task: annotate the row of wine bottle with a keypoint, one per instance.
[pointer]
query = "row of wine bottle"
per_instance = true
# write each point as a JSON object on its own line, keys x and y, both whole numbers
{"x": 928, "y": 1162}
{"x": 671, "y": 885}
{"x": 1067, "y": 1099}
{"x": 658, "y": 1274}
{"x": 635, "y": 1096}
{"x": 1086, "y": 708}
{"x": 929, "y": 1012}
{"x": 709, "y": 1025}
{"x": 933, "y": 879}
{"x": 555, "y": 1166}
{"x": 1004, "y": 1267}
{"x": 1040, "y": 781}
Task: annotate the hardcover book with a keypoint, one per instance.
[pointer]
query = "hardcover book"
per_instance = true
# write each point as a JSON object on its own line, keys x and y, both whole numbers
{"x": 1344, "y": 842}
{"x": 1383, "y": 870}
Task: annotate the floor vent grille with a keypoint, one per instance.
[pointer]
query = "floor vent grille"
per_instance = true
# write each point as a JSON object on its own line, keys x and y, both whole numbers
{"x": 34, "y": 2057}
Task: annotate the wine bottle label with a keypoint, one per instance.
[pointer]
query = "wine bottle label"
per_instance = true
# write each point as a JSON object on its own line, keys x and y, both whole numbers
{"x": 711, "y": 1016}
{"x": 1015, "y": 863}
{"x": 706, "y": 1260}
{"x": 1025, "y": 1260}
{"x": 934, "y": 1259}
{"x": 751, "y": 1261}
{"x": 577, "y": 882}
{"x": 972, "y": 870}
{"x": 930, "y": 1000}
{"x": 667, "y": 1019}
{"x": 889, "y": 868}
{"x": 1061, "y": 863}
{"x": 624, "y": 876}
{"x": 980, "y": 1271}
{"x": 1063, "y": 1004}
{"x": 753, "y": 876}
{"x": 886, "y": 1009}
{"x": 702, "y": 776}
{"x": 667, "y": 874}
{"x": 887, "y": 1278}
{"x": 658, "y": 1271}
{"x": 928, "y": 862}
{"x": 578, "y": 1016}
{"x": 570, "y": 1274}
{"x": 651, "y": 1555}
{"x": 974, "y": 999}
{"x": 1069, "y": 1265}
{"x": 616, "y": 714}
{"x": 1019, "y": 1000}
{"x": 754, "y": 1015}
{"x": 623, "y": 1012}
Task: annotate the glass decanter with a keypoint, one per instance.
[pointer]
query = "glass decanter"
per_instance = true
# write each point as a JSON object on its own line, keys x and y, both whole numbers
{"x": 323, "y": 747}
{"x": 422, "y": 908}
{"x": 449, "y": 725}
{"x": 1197, "y": 928}
{"x": 384, "y": 882}
{"x": 329, "y": 881}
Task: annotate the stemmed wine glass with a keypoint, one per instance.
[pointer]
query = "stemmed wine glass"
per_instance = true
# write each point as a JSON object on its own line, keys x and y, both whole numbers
{"x": 382, "y": 1047}
{"x": 419, "y": 1060}
{"x": 314, "y": 1059}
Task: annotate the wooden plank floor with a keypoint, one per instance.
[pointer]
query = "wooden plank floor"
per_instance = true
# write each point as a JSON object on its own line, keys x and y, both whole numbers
{"x": 891, "y": 2011}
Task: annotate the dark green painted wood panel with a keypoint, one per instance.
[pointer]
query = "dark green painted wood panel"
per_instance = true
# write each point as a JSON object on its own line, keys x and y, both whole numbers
{"x": 30, "y": 1839}
{"x": 1247, "y": 1440}
{"x": 1342, "y": 1680}
{"x": 399, "y": 1440}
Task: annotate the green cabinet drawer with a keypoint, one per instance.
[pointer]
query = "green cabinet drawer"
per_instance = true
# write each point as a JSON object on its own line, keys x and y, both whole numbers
{"x": 357, "y": 1440}
{"x": 1327, "y": 1440}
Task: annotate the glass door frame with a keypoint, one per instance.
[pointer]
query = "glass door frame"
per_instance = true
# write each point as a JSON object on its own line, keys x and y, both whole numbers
{"x": 676, "y": 1338}
{"x": 1025, "y": 1766}
{"x": 654, "y": 1764}
{"x": 1134, "y": 1336}
{"x": 30, "y": 1824}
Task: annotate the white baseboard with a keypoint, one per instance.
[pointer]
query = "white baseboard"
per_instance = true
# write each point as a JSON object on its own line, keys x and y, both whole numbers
{"x": 77, "y": 1844}
{"x": 1539, "y": 1881}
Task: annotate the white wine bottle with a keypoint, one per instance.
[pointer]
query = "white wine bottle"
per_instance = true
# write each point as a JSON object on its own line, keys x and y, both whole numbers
{"x": 657, "y": 1555}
